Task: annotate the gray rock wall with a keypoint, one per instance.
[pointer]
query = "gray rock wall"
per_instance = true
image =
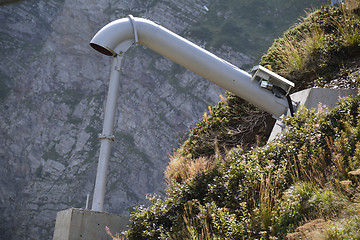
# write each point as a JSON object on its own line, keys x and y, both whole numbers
{"x": 53, "y": 89}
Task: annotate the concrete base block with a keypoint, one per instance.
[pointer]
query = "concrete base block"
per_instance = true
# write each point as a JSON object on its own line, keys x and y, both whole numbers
{"x": 313, "y": 98}
{"x": 80, "y": 224}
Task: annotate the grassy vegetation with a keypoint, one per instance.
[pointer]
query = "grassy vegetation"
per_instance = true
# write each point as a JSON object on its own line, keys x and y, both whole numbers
{"x": 224, "y": 184}
{"x": 314, "y": 50}
{"x": 231, "y": 22}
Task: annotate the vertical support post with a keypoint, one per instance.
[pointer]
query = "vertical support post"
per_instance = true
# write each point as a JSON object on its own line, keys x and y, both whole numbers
{"x": 107, "y": 135}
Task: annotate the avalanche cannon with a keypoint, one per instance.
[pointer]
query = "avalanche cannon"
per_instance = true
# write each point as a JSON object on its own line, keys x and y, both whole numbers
{"x": 263, "y": 88}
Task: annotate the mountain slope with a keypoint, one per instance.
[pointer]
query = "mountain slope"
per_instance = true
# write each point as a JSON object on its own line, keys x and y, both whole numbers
{"x": 302, "y": 185}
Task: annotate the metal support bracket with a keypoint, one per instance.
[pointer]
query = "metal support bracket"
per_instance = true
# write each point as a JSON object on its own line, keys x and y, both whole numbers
{"x": 119, "y": 59}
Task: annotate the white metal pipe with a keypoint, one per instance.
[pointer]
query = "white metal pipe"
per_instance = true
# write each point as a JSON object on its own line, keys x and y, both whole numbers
{"x": 107, "y": 135}
{"x": 109, "y": 39}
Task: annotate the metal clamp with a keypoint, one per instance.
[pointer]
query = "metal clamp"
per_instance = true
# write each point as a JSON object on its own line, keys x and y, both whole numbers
{"x": 132, "y": 20}
{"x": 119, "y": 58}
{"x": 110, "y": 138}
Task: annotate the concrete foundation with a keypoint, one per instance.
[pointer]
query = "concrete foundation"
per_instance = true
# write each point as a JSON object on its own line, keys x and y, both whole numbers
{"x": 80, "y": 224}
{"x": 313, "y": 98}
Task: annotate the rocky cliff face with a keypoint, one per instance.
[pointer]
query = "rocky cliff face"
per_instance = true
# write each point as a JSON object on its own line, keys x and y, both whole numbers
{"x": 53, "y": 89}
{"x": 52, "y": 93}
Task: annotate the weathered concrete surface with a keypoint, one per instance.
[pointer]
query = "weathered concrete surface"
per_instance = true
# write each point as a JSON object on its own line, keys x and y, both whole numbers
{"x": 317, "y": 98}
{"x": 320, "y": 97}
{"x": 80, "y": 224}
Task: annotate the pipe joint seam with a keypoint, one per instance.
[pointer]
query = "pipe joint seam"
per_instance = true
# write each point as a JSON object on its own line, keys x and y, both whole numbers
{"x": 133, "y": 23}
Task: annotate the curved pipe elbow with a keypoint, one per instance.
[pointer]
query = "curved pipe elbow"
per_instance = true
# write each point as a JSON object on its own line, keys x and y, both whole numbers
{"x": 111, "y": 35}
{"x": 109, "y": 40}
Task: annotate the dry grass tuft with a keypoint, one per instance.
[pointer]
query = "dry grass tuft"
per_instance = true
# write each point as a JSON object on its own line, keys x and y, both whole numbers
{"x": 117, "y": 235}
{"x": 182, "y": 168}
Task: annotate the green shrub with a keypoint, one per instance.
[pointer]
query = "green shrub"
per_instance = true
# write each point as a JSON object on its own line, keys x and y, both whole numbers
{"x": 304, "y": 201}
{"x": 255, "y": 194}
{"x": 233, "y": 122}
{"x": 345, "y": 231}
